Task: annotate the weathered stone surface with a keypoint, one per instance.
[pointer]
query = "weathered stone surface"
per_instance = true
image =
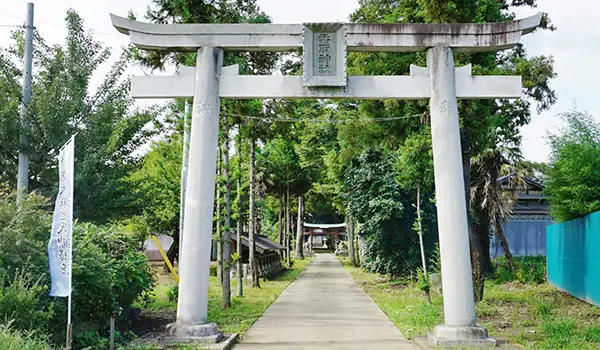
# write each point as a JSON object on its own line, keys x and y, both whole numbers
{"x": 449, "y": 336}
{"x": 162, "y": 341}
{"x": 193, "y": 331}
{"x": 459, "y": 308}
{"x": 324, "y": 54}
{"x": 436, "y": 282}
{"x": 358, "y": 87}
{"x": 192, "y": 304}
{"x": 397, "y": 37}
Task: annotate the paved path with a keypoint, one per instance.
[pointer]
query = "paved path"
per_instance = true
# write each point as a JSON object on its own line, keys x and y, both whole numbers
{"x": 324, "y": 309}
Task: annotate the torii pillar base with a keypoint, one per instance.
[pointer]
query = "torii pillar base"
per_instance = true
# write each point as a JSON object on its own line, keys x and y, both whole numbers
{"x": 207, "y": 333}
{"x": 449, "y": 336}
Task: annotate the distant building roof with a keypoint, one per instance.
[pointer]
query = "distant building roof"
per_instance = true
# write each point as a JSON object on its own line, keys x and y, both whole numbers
{"x": 530, "y": 200}
{"x": 324, "y": 226}
{"x": 529, "y": 181}
{"x": 262, "y": 243}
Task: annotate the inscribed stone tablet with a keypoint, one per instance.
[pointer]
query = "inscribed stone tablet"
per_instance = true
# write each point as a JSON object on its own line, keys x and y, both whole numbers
{"x": 325, "y": 54}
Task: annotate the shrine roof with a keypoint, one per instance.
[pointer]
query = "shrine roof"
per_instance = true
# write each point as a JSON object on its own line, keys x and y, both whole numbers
{"x": 262, "y": 243}
{"x": 324, "y": 226}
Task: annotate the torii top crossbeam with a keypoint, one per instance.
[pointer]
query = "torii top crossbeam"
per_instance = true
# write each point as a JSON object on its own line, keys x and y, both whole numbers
{"x": 401, "y": 37}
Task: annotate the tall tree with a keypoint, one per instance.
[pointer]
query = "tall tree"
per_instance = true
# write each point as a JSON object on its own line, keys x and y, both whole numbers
{"x": 227, "y": 224}
{"x": 218, "y": 218}
{"x": 240, "y": 277}
{"x": 288, "y": 219}
{"x": 300, "y": 230}
{"x": 110, "y": 129}
{"x": 476, "y": 116}
{"x": 415, "y": 171}
{"x": 350, "y": 228}
{"x": 252, "y": 220}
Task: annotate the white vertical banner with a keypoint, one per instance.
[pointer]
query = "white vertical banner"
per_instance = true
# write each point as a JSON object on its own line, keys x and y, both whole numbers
{"x": 60, "y": 246}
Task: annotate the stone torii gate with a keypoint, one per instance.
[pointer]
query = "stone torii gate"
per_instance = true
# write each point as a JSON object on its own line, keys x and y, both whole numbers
{"x": 325, "y": 46}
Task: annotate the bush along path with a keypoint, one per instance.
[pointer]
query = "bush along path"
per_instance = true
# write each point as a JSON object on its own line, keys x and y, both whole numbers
{"x": 160, "y": 308}
{"x": 518, "y": 306}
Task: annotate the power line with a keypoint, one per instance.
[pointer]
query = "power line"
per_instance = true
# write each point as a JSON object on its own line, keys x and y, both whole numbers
{"x": 56, "y": 25}
{"x": 331, "y": 121}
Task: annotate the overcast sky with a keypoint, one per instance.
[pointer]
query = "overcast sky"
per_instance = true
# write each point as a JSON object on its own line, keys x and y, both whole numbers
{"x": 575, "y": 46}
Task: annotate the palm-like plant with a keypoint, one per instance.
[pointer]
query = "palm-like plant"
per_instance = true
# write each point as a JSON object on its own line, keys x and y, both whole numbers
{"x": 489, "y": 197}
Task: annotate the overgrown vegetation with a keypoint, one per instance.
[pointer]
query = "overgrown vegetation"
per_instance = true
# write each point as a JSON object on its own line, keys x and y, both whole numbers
{"x": 529, "y": 269}
{"x": 13, "y": 339}
{"x": 109, "y": 274}
{"x": 537, "y": 316}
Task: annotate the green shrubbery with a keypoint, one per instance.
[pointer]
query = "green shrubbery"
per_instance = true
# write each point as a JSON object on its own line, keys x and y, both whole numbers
{"x": 109, "y": 273}
{"x": 528, "y": 269}
{"x": 12, "y": 339}
{"x": 574, "y": 182}
{"x": 24, "y": 301}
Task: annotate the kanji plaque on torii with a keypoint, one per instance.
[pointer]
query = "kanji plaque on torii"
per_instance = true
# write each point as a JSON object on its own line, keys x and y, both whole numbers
{"x": 324, "y": 54}
{"x": 325, "y": 47}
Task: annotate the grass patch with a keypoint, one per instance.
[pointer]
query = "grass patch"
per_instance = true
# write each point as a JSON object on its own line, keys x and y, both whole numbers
{"x": 244, "y": 311}
{"x": 537, "y": 316}
{"x": 11, "y": 339}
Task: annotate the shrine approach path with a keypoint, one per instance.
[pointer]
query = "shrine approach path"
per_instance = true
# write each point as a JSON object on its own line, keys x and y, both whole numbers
{"x": 324, "y": 309}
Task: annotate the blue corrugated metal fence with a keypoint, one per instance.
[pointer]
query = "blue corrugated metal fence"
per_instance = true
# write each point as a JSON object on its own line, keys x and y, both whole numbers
{"x": 573, "y": 257}
{"x": 525, "y": 238}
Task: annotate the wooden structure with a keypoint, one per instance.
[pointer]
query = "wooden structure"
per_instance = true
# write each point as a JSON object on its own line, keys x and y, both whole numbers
{"x": 530, "y": 200}
{"x": 151, "y": 249}
{"x": 315, "y": 235}
{"x": 266, "y": 251}
{"x": 525, "y": 229}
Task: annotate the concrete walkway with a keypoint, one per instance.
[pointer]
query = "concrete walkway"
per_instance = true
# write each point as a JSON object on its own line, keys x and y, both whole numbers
{"x": 324, "y": 309}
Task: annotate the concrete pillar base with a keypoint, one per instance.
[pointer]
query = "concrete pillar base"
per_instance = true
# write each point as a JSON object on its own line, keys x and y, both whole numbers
{"x": 449, "y": 336}
{"x": 197, "y": 333}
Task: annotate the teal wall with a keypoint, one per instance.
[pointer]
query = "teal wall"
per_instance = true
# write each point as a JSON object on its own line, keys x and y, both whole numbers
{"x": 573, "y": 252}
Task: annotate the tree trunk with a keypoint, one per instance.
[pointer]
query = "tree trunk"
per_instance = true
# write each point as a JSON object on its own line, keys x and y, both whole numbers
{"x": 280, "y": 225}
{"x": 504, "y": 243}
{"x": 219, "y": 233}
{"x": 420, "y": 226}
{"x": 227, "y": 225}
{"x": 422, "y": 246}
{"x": 252, "y": 257}
{"x": 240, "y": 277}
{"x": 350, "y": 227}
{"x": 300, "y": 230}
{"x": 361, "y": 252}
{"x": 287, "y": 228}
{"x": 477, "y": 262}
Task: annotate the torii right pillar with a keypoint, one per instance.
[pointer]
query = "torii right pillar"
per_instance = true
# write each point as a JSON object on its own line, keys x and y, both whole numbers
{"x": 459, "y": 306}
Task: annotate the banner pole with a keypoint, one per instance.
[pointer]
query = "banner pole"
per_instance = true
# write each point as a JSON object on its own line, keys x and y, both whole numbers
{"x": 69, "y": 307}
{"x": 69, "y": 325}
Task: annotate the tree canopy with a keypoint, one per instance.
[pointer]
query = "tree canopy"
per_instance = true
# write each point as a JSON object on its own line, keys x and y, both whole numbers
{"x": 574, "y": 182}
{"x": 110, "y": 128}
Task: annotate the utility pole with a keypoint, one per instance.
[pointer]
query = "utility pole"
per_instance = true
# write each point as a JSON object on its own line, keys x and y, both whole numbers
{"x": 23, "y": 172}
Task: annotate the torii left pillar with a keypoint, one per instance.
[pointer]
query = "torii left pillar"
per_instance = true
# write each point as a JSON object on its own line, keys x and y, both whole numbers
{"x": 192, "y": 306}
